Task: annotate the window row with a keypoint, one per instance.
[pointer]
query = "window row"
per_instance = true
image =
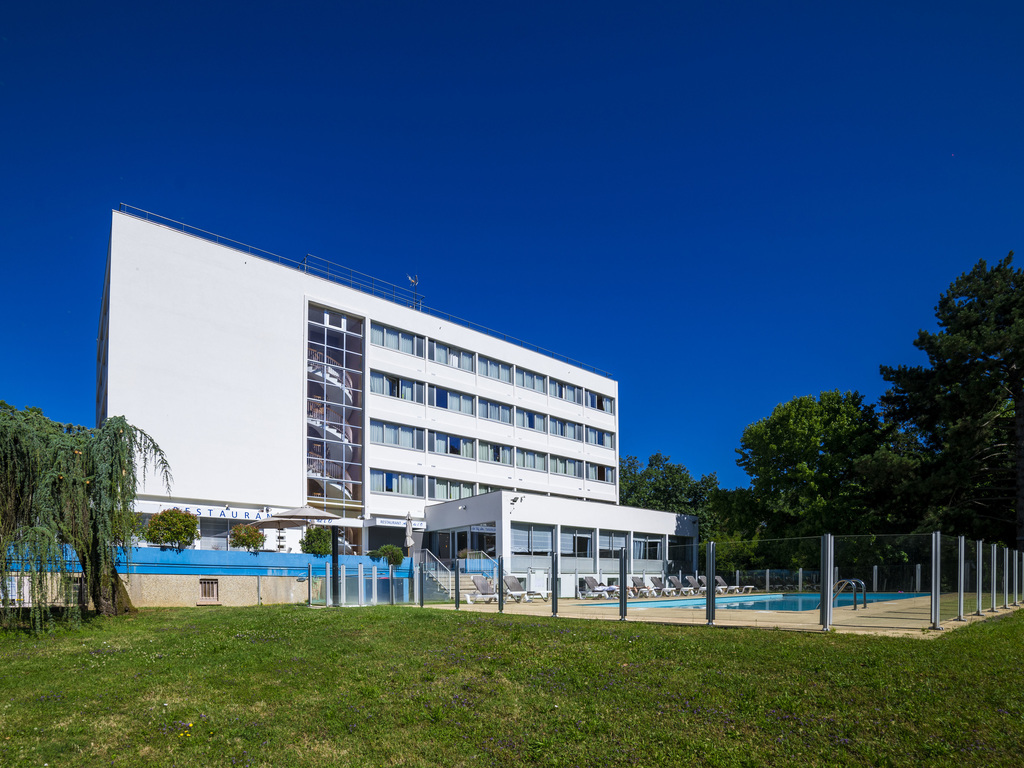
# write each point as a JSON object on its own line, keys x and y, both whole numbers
{"x": 460, "y": 402}
{"x": 437, "y": 488}
{"x": 446, "y": 354}
{"x": 538, "y": 540}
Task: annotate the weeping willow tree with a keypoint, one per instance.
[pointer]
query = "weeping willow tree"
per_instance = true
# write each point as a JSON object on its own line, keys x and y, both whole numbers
{"x": 67, "y": 489}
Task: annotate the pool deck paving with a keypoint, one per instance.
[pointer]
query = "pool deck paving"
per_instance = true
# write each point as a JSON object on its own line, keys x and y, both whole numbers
{"x": 908, "y": 617}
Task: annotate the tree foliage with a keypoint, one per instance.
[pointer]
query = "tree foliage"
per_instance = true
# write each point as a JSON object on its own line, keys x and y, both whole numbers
{"x": 316, "y": 541}
{"x": 247, "y": 537}
{"x": 390, "y": 552}
{"x": 68, "y": 486}
{"x": 965, "y": 409}
{"x": 172, "y": 528}
{"x": 806, "y": 467}
{"x": 668, "y": 487}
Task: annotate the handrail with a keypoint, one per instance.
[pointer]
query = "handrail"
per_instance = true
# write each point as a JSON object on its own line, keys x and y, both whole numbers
{"x": 843, "y": 583}
{"x": 336, "y": 273}
{"x": 432, "y": 565}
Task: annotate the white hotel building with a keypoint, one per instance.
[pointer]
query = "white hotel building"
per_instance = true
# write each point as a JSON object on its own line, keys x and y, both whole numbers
{"x": 271, "y": 383}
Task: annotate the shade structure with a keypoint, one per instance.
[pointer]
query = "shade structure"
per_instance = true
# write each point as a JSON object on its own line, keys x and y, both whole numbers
{"x": 295, "y": 518}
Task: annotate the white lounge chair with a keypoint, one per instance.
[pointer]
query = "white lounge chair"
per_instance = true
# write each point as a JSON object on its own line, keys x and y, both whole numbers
{"x": 732, "y": 588}
{"x": 640, "y": 587}
{"x": 484, "y": 590}
{"x": 596, "y": 590}
{"x": 679, "y": 587}
{"x": 661, "y": 588}
{"x": 515, "y": 590}
{"x": 695, "y": 586}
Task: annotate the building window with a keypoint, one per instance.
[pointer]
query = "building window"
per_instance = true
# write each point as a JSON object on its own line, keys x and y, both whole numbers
{"x": 531, "y": 460}
{"x": 398, "y": 435}
{"x": 600, "y": 437}
{"x": 495, "y": 411}
{"x": 451, "y": 356}
{"x": 610, "y": 542}
{"x": 563, "y": 466}
{"x": 530, "y": 420}
{"x": 495, "y": 453}
{"x": 409, "y": 343}
{"x": 396, "y": 482}
{"x": 576, "y": 542}
{"x": 647, "y": 547}
{"x": 451, "y": 400}
{"x": 209, "y": 591}
{"x": 482, "y": 489}
{"x": 443, "y": 490}
{"x": 531, "y": 539}
{"x": 600, "y": 473}
{"x": 529, "y": 380}
{"x": 567, "y": 429}
{"x": 393, "y": 386}
{"x": 452, "y": 445}
{"x": 600, "y": 402}
{"x": 495, "y": 370}
{"x": 564, "y": 391}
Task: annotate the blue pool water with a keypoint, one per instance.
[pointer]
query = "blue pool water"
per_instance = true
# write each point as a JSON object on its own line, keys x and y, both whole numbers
{"x": 774, "y": 602}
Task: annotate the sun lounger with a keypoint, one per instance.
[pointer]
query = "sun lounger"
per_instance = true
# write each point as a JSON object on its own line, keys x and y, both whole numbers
{"x": 679, "y": 587}
{"x": 640, "y": 588}
{"x": 596, "y": 590}
{"x": 698, "y": 588}
{"x": 733, "y": 588}
{"x": 719, "y": 590}
{"x": 484, "y": 590}
{"x": 514, "y": 589}
{"x": 661, "y": 588}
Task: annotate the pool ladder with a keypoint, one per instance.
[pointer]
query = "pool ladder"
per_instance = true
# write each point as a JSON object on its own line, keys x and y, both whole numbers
{"x": 853, "y": 583}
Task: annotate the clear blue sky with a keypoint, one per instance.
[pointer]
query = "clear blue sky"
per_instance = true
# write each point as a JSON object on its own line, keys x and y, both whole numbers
{"x": 724, "y": 204}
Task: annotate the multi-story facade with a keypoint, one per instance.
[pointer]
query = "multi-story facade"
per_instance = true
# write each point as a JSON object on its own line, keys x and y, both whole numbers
{"x": 272, "y": 383}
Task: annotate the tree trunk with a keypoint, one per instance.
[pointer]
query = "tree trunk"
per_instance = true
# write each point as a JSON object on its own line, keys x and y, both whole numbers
{"x": 109, "y": 595}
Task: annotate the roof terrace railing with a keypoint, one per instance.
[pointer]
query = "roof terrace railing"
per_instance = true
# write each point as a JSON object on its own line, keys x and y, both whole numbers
{"x": 350, "y": 278}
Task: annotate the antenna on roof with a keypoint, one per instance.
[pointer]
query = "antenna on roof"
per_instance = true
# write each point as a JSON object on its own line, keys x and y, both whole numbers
{"x": 414, "y": 281}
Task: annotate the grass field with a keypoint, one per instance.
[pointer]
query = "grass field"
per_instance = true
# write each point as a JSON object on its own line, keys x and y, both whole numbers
{"x": 396, "y": 686}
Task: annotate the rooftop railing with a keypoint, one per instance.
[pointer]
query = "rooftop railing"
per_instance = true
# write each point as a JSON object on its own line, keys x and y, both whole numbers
{"x": 350, "y": 278}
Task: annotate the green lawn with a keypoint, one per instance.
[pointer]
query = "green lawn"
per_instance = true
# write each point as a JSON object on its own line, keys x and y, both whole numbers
{"x": 400, "y": 686}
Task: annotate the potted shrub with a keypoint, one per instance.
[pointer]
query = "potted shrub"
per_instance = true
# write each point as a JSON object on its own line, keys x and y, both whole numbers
{"x": 172, "y": 528}
{"x": 247, "y": 537}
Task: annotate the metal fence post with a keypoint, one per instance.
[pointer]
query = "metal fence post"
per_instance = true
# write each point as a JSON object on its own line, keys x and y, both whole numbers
{"x": 961, "y": 586}
{"x": 555, "y": 582}
{"x": 936, "y": 576}
{"x": 1016, "y": 558}
{"x": 709, "y": 590}
{"x": 373, "y": 585}
{"x": 391, "y": 584}
{"x": 1006, "y": 577}
{"x": 874, "y": 578}
{"x": 622, "y": 584}
{"x": 993, "y": 581}
{"x": 343, "y": 584}
{"x": 458, "y": 578}
{"x": 979, "y": 581}
{"x": 309, "y": 583}
{"x": 259, "y": 591}
{"x": 825, "y": 614}
{"x": 360, "y": 590}
{"x": 499, "y": 584}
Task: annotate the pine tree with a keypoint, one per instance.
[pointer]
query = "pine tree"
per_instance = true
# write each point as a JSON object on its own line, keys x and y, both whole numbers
{"x": 966, "y": 407}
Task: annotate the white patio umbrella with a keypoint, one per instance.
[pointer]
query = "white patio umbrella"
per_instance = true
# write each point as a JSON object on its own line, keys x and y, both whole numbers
{"x": 409, "y": 541}
{"x": 294, "y": 518}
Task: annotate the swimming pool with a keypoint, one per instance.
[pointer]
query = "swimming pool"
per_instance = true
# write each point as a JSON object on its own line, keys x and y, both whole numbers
{"x": 774, "y": 602}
